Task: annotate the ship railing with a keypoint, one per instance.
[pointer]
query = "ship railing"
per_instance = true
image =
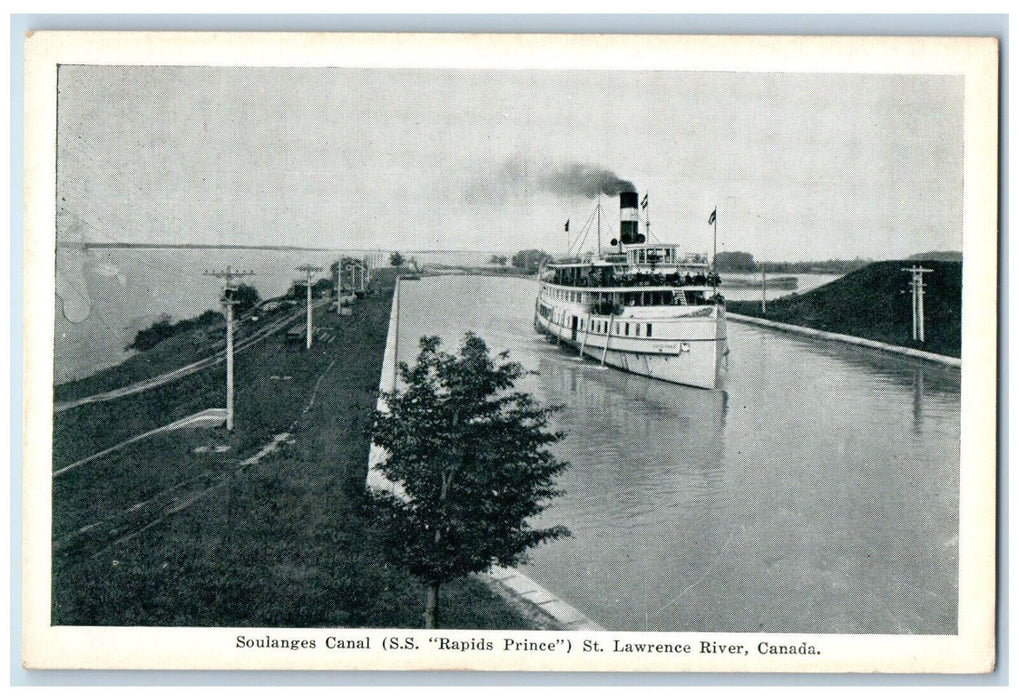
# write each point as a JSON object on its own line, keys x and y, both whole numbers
{"x": 643, "y": 280}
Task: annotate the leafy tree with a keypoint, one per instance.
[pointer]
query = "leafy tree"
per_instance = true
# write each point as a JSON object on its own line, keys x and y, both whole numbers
{"x": 150, "y": 337}
{"x": 395, "y": 259}
{"x": 529, "y": 260}
{"x": 246, "y": 296}
{"x": 322, "y": 286}
{"x": 472, "y": 459}
{"x": 735, "y": 261}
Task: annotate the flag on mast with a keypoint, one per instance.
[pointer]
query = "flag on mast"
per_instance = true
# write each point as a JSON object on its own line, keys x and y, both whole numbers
{"x": 643, "y": 202}
{"x": 567, "y": 229}
{"x": 711, "y": 219}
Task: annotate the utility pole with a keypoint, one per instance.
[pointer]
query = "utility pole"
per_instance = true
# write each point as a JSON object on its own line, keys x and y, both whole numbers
{"x": 917, "y": 285}
{"x": 764, "y": 290}
{"x": 228, "y": 276}
{"x": 308, "y": 270}
{"x": 713, "y": 221}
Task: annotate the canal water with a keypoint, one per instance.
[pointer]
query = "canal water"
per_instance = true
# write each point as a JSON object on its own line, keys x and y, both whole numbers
{"x": 817, "y": 494}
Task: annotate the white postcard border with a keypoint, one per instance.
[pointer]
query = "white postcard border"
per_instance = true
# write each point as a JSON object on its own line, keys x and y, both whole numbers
{"x": 971, "y": 650}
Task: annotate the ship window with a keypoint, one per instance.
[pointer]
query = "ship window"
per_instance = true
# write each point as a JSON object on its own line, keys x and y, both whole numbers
{"x": 636, "y": 329}
{"x": 648, "y": 330}
{"x": 617, "y": 328}
{"x": 627, "y": 331}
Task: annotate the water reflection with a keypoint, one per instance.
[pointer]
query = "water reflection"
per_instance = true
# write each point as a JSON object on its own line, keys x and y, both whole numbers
{"x": 918, "y": 402}
{"x": 819, "y": 493}
{"x": 659, "y": 450}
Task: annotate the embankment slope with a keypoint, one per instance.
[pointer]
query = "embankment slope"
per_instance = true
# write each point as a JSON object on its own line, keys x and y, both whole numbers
{"x": 874, "y": 303}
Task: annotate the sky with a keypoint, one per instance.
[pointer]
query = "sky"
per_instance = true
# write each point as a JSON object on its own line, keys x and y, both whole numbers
{"x": 799, "y": 166}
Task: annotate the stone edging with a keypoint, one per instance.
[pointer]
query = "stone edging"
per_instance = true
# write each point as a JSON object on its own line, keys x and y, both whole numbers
{"x": 842, "y": 338}
{"x": 535, "y": 601}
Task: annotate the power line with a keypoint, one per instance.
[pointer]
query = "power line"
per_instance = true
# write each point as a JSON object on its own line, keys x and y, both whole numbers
{"x": 228, "y": 276}
{"x": 917, "y": 286}
{"x": 308, "y": 270}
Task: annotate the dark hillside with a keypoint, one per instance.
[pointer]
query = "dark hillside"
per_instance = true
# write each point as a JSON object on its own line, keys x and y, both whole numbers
{"x": 874, "y": 303}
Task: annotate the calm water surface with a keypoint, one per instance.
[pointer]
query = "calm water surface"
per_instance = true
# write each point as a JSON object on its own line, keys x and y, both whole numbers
{"x": 818, "y": 493}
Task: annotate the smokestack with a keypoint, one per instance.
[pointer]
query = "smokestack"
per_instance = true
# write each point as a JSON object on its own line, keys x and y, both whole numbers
{"x": 629, "y": 226}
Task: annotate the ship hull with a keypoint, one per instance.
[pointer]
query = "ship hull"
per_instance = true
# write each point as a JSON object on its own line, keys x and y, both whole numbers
{"x": 691, "y": 350}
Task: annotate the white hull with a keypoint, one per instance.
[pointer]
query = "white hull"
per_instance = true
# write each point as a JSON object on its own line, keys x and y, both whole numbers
{"x": 687, "y": 345}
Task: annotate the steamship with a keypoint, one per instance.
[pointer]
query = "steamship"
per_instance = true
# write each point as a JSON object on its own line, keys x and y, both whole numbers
{"x": 646, "y": 308}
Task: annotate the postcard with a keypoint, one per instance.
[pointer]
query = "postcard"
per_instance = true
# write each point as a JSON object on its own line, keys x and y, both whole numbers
{"x": 510, "y": 352}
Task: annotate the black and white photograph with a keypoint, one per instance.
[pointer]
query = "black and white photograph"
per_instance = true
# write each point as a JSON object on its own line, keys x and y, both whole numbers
{"x": 510, "y": 352}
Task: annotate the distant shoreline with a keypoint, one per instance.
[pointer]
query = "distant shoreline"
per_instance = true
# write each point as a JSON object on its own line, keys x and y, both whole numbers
{"x": 244, "y": 246}
{"x": 202, "y": 246}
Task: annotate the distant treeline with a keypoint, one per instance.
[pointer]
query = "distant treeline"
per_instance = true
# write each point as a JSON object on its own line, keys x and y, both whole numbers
{"x": 739, "y": 261}
{"x": 529, "y": 260}
{"x": 823, "y": 267}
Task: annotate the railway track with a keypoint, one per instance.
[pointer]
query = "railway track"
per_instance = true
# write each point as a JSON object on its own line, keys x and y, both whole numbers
{"x": 99, "y": 536}
{"x": 181, "y": 372}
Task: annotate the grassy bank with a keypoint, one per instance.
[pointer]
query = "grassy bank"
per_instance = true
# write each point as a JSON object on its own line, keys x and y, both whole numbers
{"x": 197, "y": 339}
{"x": 280, "y": 543}
{"x": 871, "y": 303}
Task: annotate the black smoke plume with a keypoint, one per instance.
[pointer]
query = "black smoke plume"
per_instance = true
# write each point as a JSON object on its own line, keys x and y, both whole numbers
{"x": 517, "y": 176}
{"x": 580, "y": 179}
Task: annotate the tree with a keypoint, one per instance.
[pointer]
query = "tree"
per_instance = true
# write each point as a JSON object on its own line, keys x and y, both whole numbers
{"x": 529, "y": 260}
{"x": 472, "y": 458}
{"x": 245, "y": 297}
{"x": 322, "y": 286}
{"x": 735, "y": 261}
{"x": 395, "y": 259}
{"x": 334, "y": 273}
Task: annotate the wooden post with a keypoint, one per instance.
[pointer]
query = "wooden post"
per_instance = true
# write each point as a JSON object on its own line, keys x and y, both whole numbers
{"x": 228, "y": 275}
{"x": 308, "y": 321}
{"x": 396, "y": 333}
{"x": 229, "y": 366}
{"x": 307, "y": 270}
{"x": 916, "y": 287}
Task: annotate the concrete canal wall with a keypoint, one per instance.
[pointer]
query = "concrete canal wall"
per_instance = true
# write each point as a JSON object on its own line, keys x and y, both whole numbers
{"x": 524, "y": 594}
{"x": 842, "y": 338}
